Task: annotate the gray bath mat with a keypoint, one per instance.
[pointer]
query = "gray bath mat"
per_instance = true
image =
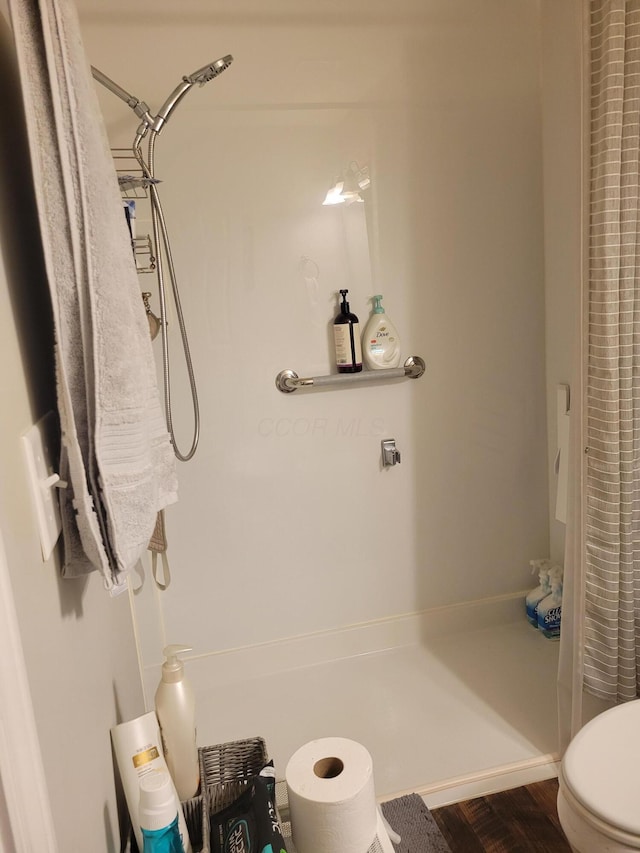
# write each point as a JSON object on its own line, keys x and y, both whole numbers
{"x": 408, "y": 816}
{"x": 413, "y": 822}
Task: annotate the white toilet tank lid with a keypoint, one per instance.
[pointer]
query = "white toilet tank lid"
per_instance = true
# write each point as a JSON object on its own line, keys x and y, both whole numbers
{"x": 602, "y": 766}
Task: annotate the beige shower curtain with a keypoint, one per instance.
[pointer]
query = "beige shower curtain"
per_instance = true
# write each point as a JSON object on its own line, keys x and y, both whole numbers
{"x": 611, "y": 662}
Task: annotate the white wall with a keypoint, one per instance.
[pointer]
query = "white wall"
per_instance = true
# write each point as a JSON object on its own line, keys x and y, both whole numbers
{"x": 78, "y": 643}
{"x": 286, "y": 524}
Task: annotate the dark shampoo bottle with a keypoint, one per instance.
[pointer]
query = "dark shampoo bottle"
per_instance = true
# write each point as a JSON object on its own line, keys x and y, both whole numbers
{"x": 346, "y": 330}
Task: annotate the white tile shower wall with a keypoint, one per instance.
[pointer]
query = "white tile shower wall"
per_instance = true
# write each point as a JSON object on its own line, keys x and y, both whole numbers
{"x": 286, "y": 524}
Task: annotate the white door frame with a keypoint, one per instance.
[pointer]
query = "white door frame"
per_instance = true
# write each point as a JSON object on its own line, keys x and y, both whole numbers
{"x": 22, "y": 774}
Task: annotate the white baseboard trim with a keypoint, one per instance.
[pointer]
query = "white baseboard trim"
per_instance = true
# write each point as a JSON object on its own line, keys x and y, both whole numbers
{"x": 486, "y": 782}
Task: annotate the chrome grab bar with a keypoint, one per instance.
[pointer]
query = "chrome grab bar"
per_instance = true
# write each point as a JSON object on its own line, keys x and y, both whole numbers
{"x": 288, "y": 381}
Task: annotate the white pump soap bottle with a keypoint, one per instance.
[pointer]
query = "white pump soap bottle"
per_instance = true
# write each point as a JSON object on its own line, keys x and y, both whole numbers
{"x": 175, "y": 708}
{"x": 380, "y": 341}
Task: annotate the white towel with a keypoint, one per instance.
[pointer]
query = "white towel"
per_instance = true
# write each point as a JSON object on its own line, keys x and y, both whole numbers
{"x": 121, "y": 464}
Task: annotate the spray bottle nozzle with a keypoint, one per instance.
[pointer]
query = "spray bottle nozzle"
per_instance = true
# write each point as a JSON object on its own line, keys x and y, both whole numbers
{"x": 540, "y": 566}
{"x": 377, "y": 306}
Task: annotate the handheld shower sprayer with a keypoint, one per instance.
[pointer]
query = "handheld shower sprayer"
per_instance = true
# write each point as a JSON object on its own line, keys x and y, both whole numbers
{"x": 208, "y": 72}
{"x": 141, "y": 109}
{"x": 155, "y": 124}
{"x": 201, "y": 76}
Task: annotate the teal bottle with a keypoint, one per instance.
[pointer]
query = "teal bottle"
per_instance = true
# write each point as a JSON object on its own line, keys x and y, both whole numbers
{"x": 158, "y": 814}
{"x": 165, "y": 840}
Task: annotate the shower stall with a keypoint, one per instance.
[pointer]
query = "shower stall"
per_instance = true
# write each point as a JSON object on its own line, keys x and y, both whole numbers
{"x": 323, "y": 593}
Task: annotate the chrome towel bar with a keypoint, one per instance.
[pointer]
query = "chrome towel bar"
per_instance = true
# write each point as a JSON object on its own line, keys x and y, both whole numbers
{"x": 288, "y": 381}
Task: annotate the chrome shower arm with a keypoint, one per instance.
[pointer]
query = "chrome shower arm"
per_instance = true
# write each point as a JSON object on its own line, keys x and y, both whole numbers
{"x": 140, "y": 108}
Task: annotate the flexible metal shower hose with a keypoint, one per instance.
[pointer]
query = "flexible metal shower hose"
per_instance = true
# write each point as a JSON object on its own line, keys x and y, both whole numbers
{"x": 160, "y": 229}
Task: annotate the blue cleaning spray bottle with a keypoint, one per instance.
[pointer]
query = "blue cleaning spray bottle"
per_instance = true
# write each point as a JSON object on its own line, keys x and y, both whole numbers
{"x": 550, "y": 608}
{"x": 158, "y": 814}
{"x": 543, "y": 589}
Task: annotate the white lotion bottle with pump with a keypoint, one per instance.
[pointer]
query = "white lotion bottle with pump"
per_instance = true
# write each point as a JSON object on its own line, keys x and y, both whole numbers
{"x": 380, "y": 340}
{"x": 175, "y": 707}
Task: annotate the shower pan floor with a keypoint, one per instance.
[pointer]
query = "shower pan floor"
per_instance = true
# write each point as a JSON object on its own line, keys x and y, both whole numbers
{"x": 446, "y": 716}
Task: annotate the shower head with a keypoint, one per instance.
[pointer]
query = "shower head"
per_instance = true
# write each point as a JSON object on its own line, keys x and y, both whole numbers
{"x": 201, "y": 76}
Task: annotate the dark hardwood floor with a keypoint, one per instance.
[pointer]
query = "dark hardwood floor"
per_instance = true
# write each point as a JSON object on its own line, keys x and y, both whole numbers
{"x": 517, "y": 821}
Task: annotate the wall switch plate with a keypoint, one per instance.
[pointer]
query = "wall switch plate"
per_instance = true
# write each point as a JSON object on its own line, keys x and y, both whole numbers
{"x": 37, "y": 445}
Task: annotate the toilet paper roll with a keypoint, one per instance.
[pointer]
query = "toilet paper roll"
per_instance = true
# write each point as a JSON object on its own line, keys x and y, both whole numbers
{"x": 332, "y": 799}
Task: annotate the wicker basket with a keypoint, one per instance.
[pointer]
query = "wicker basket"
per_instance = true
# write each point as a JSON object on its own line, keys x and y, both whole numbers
{"x": 192, "y": 810}
{"x": 225, "y": 772}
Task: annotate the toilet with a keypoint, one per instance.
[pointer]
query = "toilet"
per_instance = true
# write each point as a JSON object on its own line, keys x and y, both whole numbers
{"x": 599, "y": 783}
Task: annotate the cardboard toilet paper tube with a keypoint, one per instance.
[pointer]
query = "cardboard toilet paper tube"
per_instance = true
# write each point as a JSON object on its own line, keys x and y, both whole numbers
{"x": 332, "y": 799}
